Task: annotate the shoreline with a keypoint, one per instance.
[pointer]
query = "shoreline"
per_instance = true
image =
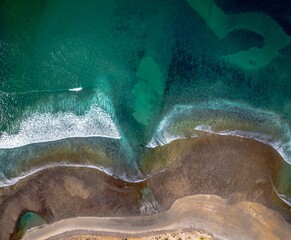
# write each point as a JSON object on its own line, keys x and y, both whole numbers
{"x": 33, "y": 172}
{"x": 204, "y": 213}
{"x": 232, "y": 168}
{"x": 231, "y": 135}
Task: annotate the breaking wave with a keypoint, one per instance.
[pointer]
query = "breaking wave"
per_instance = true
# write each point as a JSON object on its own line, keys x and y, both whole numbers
{"x": 52, "y": 119}
{"x": 50, "y": 127}
{"x": 225, "y": 118}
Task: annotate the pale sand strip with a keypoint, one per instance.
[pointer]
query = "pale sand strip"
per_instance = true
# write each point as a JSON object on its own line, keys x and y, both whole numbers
{"x": 209, "y": 213}
{"x": 177, "y": 235}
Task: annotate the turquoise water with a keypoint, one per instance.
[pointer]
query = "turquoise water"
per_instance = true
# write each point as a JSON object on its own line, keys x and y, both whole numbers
{"x": 27, "y": 221}
{"x": 113, "y": 78}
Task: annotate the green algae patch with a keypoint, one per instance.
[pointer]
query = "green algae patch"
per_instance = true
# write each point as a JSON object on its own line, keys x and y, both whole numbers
{"x": 148, "y": 91}
{"x": 27, "y": 221}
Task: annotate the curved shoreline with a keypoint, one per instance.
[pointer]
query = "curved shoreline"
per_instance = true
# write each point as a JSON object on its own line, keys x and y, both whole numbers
{"x": 184, "y": 121}
{"x": 235, "y": 169}
{"x": 176, "y": 125}
{"x": 140, "y": 178}
{"x": 31, "y": 173}
{"x": 208, "y": 213}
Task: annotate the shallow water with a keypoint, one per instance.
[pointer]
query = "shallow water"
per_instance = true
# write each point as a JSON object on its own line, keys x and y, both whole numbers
{"x": 79, "y": 76}
{"x": 27, "y": 221}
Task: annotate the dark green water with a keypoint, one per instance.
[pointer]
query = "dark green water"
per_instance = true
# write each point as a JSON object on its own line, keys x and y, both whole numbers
{"x": 116, "y": 77}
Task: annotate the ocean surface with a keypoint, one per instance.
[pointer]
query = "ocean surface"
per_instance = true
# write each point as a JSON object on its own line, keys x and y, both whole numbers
{"x": 96, "y": 83}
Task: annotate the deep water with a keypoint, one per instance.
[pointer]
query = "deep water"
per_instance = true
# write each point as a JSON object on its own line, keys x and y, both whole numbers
{"x": 111, "y": 78}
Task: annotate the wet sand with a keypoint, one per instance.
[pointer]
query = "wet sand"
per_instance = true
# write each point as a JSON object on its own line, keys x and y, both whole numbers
{"x": 234, "y": 168}
{"x": 244, "y": 220}
{"x": 239, "y": 172}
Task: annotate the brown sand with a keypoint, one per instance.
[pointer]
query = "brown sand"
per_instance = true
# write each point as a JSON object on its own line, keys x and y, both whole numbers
{"x": 244, "y": 220}
{"x": 236, "y": 169}
{"x": 63, "y": 192}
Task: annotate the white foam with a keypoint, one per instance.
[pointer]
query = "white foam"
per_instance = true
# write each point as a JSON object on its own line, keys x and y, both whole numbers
{"x": 161, "y": 136}
{"x": 267, "y": 127}
{"x": 204, "y": 128}
{"x": 9, "y": 182}
{"x": 12, "y": 181}
{"x": 279, "y": 146}
{"x": 165, "y": 139}
{"x": 46, "y": 127}
{"x": 282, "y": 196}
{"x": 285, "y": 199}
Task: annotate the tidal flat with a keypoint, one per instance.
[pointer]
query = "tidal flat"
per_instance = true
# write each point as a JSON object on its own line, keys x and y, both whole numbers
{"x": 217, "y": 178}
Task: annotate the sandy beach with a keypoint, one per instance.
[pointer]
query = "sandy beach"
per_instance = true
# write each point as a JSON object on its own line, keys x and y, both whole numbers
{"x": 230, "y": 182}
{"x": 210, "y": 213}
